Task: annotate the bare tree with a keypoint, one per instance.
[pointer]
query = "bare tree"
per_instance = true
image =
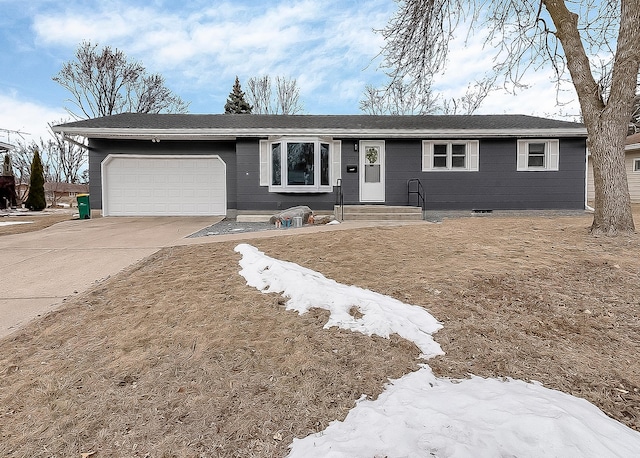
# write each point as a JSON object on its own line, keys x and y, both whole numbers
{"x": 104, "y": 82}
{"x": 531, "y": 33}
{"x": 259, "y": 94}
{"x": 398, "y": 98}
{"x": 62, "y": 162}
{"x": 401, "y": 98}
{"x": 285, "y": 99}
{"x": 21, "y": 158}
{"x": 68, "y": 157}
{"x": 469, "y": 102}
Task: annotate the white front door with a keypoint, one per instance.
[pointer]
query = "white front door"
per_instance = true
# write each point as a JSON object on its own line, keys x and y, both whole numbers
{"x": 371, "y": 171}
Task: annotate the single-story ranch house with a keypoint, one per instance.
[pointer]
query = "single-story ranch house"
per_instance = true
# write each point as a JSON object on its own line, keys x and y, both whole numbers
{"x": 189, "y": 164}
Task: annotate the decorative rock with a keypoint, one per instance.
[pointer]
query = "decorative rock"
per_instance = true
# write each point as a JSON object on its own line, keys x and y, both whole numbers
{"x": 287, "y": 215}
{"x": 326, "y": 219}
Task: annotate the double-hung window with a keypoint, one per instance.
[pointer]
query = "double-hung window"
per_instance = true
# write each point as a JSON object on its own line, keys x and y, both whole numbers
{"x": 299, "y": 164}
{"x": 636, "y": 165}
{"x": 538, "y": 155}
{"x": 449, "y": 155}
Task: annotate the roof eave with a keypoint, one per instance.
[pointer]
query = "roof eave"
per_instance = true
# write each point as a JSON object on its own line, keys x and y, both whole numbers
{"x": 230, "y": 134}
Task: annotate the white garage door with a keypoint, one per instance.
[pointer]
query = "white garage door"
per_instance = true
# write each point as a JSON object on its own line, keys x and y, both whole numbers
{"x": 134, "y": 185}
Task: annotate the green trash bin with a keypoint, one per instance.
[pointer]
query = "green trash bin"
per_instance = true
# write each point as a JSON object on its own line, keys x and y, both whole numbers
{"x": 84, "y": 208}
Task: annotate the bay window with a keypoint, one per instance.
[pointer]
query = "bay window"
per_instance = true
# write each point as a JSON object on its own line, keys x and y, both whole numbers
{"x": 299, "y": 164}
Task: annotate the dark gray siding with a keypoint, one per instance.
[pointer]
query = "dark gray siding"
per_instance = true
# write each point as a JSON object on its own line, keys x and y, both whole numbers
{"x": 497, "y": 185}
{"x": 350, "y": 181}
{"x": 99, "y": 149}
{"x": 252, "y": 196}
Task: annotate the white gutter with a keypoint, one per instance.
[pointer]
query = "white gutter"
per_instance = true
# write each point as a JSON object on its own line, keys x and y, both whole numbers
{"x": 232, "y": 133}
{"x": 71, "y": 140}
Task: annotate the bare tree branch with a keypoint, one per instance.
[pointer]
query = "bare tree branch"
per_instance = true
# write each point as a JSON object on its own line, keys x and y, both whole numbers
{"x": 399, "y": 98}
{"x": 284, "y": 100}
{"x": 105, "y": 82}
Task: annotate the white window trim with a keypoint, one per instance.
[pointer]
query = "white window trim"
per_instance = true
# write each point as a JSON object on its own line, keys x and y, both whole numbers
{"x": 551, "y": 155}
{"x": 266, "y": 162}
{"x": 472, "y": 148}
{"x": 636, "y": 165}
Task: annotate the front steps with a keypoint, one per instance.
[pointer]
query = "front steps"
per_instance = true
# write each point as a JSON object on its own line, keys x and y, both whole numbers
{"x": 378, "y": 213}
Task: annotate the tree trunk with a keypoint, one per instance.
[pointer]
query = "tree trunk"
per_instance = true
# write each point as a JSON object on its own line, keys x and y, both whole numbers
{"x": 612, "y": 213}
{"x": 606, "y": 122}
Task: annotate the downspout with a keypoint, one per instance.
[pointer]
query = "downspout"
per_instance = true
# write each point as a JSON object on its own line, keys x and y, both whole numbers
{"x": 586, "y": 183}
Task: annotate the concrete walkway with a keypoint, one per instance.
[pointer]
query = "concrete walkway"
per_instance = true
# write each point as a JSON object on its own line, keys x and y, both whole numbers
{"x": 39, "y": 269}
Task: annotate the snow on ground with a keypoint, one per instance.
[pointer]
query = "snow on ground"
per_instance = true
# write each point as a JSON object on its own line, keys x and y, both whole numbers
{"x": 422, "y": 415}
{"x": 10, "y": 223}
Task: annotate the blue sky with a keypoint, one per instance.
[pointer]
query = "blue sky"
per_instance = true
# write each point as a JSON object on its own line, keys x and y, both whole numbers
{"x": 200, "y": 46}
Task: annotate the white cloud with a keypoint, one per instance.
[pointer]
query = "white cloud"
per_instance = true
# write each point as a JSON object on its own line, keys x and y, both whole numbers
{"x": 25, "y": 116}
{"x": 325, "y": 45}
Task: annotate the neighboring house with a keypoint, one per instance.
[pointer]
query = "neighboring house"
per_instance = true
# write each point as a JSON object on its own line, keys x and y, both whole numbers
{"x": 5, "y": 147}
{"x": 56, "y": 192}
{"x": 66, "y": 193}
{"x": 7, "y": 181}
{"x": 187, "y": 164}
{"x": 632, "y": 165}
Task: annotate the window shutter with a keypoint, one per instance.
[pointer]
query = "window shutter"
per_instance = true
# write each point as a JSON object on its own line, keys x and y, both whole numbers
{"x": 472, "y": 154}
{"x": 264, "y": 163}
{"x": 427, "y": 156}
{"x": 523, "y": 155}
{"x": 336, "y": 161}
{"x": 554, "y": 154}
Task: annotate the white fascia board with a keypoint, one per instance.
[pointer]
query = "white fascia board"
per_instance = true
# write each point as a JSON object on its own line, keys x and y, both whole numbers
{"x": 632, "y": 147}
{"x": 229, "y": 134}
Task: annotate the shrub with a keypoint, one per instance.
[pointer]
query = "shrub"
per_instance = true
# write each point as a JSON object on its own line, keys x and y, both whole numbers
{"x": 36, "y": 200}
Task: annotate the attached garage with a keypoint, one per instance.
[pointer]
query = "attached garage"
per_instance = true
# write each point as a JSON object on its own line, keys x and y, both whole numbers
{"x": 141, "y": 185}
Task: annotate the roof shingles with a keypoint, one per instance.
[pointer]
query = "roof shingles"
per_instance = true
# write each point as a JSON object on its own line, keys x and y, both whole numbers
{"x": 342, "y": 122}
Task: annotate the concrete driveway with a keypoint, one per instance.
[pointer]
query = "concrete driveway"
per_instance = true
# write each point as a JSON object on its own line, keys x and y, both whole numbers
{"x": 39, "y": 269}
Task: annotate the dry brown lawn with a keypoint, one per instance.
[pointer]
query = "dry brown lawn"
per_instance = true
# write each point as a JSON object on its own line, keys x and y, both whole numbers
{"x": 36, "y": 222}
{"x": 176, "y": 356}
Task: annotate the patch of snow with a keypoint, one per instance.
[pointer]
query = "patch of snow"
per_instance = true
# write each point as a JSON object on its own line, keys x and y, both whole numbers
{"x": 422, "y": 415}
{"x": 335, "y": 221}
{"x": 10, "y": 223}
{"x": 380, "y": 315}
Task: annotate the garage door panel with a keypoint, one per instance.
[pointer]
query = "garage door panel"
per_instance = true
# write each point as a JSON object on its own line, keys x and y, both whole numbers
{"x": 194, "y": 185}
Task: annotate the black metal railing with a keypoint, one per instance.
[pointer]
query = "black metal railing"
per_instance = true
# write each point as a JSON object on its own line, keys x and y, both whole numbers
{"x": 414, "y": 187}
{"x": 340, "y": 198}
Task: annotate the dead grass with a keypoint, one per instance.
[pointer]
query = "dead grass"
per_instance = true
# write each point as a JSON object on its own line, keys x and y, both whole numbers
{"x": 36, "y": 222}
{"x": 177, "y": 357}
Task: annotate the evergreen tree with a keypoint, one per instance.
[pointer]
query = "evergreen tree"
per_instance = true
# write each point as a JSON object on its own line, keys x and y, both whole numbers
{"x": 36, "y": 200}
{"x": 236, "y": 103}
